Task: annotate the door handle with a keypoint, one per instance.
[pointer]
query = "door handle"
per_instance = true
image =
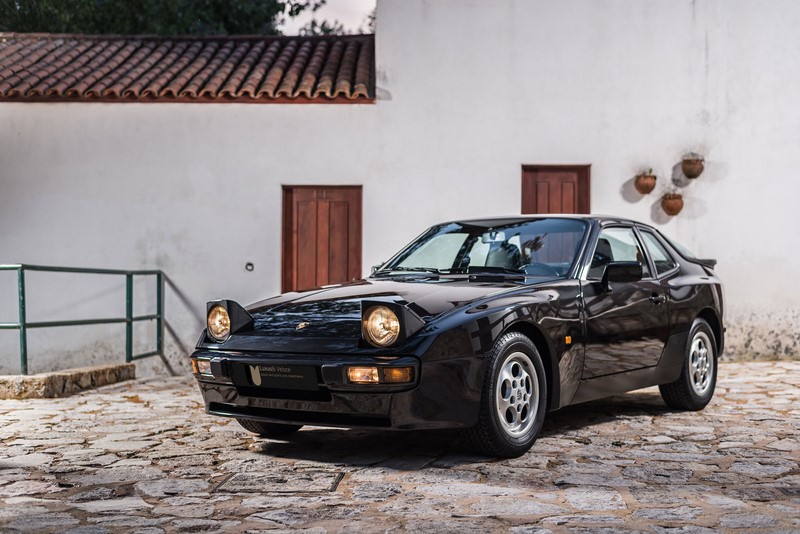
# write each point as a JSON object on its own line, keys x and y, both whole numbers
{"x": 657, "y": 299}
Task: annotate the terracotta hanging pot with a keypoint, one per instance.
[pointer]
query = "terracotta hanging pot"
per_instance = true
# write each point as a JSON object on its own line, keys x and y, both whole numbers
{"x": 672, "y": 203}
{"x": 692, "y": 167}
{"x": 645, "y": 183}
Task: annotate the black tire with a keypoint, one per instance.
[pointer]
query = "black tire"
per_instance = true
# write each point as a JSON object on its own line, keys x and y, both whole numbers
{"x": 268, "y": 430}
{"x": 512, "y": 434}
{"x": 695, "y": 386}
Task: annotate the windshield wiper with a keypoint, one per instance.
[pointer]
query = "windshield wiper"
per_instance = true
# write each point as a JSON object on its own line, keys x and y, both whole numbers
{"x": 430, "y": 270}
{"x": 494, "y": 270}
{"x": 418, "y": 269}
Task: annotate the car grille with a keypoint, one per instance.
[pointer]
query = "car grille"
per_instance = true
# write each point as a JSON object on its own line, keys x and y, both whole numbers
{"x": 322, "y": 395}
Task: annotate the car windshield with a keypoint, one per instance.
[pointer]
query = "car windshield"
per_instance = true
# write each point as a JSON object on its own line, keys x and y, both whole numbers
{"x": 541, "y": 247}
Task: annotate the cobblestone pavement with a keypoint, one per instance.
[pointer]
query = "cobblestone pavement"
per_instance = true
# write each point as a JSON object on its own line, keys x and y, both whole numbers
{"x": 141, "y": 456}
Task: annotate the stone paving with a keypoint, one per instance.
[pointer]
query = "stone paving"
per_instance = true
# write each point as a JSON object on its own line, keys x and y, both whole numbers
{"x": 142, "y": 457}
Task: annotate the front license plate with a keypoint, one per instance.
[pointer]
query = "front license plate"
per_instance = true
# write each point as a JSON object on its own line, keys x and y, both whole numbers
{"x": 280, "y": 376}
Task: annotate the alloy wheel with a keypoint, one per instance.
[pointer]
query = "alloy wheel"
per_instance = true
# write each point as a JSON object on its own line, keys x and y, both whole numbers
{"x": 517, "y": 394}
{"x": 701, "y": 362}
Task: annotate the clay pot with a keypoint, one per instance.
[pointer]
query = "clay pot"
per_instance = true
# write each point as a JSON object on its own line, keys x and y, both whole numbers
{"x": 692, "y": 167}
{"x": 672, "y": 203}
{"x": 645, "y": 183}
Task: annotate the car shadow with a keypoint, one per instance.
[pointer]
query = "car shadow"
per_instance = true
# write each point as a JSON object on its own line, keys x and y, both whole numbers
{"x": 412, "y": 450}
{"x": 616, "y": 408}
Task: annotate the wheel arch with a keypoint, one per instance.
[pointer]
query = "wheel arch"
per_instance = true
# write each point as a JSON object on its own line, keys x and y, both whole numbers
{"x": 710, "y": 316}
{"x": 543, "y": 345}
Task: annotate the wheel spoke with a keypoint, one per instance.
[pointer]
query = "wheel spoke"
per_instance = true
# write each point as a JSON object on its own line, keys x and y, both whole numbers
{"x": 506, "y": 376}
{"x": 503, "y": 405}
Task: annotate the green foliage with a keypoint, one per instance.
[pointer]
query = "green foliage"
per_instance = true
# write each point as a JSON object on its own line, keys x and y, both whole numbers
{"x": 151, "y": 17}
{"x": 314, "y": 27}
{"x": 371, "y": 22}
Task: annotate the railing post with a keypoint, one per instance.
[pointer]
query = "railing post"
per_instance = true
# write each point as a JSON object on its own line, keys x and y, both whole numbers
{"x": 129, "y": 317}
{"x": 23, "y": 331}
{"x": 160, "y": 312}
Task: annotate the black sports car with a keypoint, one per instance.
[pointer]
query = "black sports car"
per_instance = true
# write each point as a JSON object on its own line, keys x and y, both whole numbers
{"x": 481, "y": 325}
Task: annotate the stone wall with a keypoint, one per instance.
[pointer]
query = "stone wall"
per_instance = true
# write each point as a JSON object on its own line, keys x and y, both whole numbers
{"x": 763, "y": 333}
{"x": 64, "y": 383}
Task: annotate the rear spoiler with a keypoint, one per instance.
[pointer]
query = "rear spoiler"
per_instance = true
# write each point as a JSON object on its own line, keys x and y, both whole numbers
{"x": 710, "y": 263}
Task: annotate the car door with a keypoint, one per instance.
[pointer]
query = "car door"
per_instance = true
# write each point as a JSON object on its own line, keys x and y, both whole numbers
{"x": 626, "y": 323}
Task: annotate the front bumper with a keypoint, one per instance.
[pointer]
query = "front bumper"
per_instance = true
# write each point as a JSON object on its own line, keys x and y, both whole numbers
{"x": 436, "y": 399}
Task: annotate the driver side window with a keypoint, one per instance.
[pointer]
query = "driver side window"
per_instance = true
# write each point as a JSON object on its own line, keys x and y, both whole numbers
{"x": 616, "y": 244}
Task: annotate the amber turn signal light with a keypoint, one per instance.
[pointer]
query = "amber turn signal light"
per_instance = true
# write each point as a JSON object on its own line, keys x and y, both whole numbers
{"x": 398, "y": 375}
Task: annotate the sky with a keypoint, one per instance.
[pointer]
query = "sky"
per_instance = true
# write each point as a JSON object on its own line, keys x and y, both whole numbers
{"x": 351, "y": 13}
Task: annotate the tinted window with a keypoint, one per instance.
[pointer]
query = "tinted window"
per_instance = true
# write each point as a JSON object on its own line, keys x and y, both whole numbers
{"x": 661, "y": 257}
{"x": 616, "y": 244}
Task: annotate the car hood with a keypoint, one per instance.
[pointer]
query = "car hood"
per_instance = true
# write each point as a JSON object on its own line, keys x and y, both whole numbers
{"x": 336, "y": 311}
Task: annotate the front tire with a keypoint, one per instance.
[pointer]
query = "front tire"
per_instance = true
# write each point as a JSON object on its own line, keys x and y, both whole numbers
{"x": 695, "y": 386}
{"x": 514, "y": 399}
{"x": 268, "y": 430}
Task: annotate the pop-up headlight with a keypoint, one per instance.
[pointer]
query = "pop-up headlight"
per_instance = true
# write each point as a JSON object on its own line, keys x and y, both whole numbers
{"x": 226, "y": 317}
{"x": 385, "y": 323}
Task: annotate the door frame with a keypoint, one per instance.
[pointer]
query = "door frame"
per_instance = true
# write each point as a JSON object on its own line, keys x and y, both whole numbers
{"x": 289, "y": 239}
{"x": 584, "y": 183}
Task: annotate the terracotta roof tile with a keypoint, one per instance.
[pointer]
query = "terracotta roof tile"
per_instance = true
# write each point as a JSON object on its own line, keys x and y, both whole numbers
{"x": 44, "y": 67}
{"x": 325, "y": 84}
{"x": 313, "y": 69}
{"x": 277, "y": 71}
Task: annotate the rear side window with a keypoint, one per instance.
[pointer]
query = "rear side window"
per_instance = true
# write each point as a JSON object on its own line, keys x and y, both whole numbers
{"x": 661, "y": 257}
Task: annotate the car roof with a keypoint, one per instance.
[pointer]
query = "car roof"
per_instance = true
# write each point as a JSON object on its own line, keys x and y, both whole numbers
{"x": 510, "y": 219}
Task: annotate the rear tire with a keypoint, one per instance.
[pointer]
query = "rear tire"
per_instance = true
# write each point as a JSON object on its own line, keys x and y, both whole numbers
{"x": 695, "y": 386}
{"x": 514, "y": 399}
{"x": 268, "y": 430}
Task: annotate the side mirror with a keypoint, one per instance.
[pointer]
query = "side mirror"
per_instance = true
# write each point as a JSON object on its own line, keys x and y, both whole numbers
{"x": 621, "y": 272}
{"x": 375, "y": 268}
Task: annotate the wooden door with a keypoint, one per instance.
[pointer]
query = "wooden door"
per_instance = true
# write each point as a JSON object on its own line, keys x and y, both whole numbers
{"x": 555, "y": 189}
{"x": 321, "y": 236}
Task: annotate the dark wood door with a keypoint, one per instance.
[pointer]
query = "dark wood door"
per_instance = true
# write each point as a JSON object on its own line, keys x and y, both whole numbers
{"x": 555, "y": 189}
{"x": 321, "y": 236}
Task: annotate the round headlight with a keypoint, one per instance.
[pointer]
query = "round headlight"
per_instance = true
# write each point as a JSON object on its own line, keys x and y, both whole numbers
{"x": 381, "y": 326}
{"x": 219, "y": 323}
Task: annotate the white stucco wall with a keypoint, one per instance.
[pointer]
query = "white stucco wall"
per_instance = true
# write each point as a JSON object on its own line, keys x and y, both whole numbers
{"x": 468, "y": 91}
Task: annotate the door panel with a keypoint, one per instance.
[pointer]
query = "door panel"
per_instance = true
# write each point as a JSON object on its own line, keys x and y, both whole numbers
{"x": 569, "y": 197}
{"x": 542, "y": 198}
{"x": 305, "y": 249}
{"x": 338, "y": 239}
{"x": 625, "y": 329}
{"x": 555, "y": 189}
{"x": 321, "y": 236}
{"x": 627, "y": 324}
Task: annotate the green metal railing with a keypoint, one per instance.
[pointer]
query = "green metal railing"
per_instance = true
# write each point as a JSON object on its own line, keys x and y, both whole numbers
{"x": 23, "y": 325}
